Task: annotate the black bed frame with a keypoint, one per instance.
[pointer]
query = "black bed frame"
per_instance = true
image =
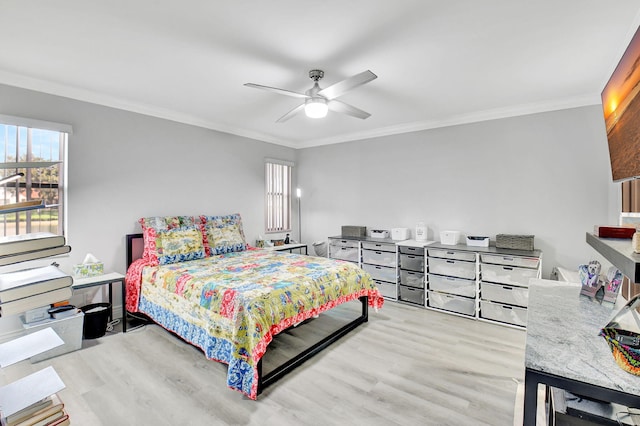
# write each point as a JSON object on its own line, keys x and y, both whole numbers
{"x": 272, "y": 376}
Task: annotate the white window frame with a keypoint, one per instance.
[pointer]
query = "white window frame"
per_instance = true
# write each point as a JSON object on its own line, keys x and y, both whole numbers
{"x": 278, "y": 195}
{"x": 26, "y": 183}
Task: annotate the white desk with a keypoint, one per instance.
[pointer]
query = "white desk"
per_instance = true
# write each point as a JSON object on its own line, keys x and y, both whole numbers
{"x": 99, "y": 280}
{"x": 290, "y": 247}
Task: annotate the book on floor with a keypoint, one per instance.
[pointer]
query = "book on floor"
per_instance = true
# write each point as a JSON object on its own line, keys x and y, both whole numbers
{"x": 11, "y": 259}
{"x": 48, "y": 411}
{"x": 28, "y": 282}
{"x": 21, "y": 305}
{"x": 14, "y": 244}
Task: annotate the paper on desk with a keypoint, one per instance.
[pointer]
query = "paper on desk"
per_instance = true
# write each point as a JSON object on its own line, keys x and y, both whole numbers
{"x": 29, "y": 390}
{"x": 27, "y": 346}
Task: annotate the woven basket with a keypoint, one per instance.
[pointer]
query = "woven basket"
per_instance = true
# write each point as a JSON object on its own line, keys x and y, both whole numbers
{"x": 515, "y": 242}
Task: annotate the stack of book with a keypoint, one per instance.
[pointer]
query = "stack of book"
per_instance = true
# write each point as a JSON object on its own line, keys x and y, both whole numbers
{"x": 27, "y": 289}
{"x": 36, "y": 245}
{"x": 46, "y": 412}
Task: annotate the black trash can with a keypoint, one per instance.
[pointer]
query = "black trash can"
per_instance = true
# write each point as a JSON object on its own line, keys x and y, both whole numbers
{"x": 96, "y": 319}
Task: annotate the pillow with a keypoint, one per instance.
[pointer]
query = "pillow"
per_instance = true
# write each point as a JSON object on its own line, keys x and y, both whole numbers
{"x": 233, "y": 239}
{"x": 154, "y": 224}
{"x": 224, "y": 239}
{"x": 179, "y": 244}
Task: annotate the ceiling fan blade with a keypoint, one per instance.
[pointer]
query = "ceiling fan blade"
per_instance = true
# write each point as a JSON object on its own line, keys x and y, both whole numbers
{"x": 347, "y": 84}
{"x": 290, "y": 114}
{"x": 339, "y": 106}
{"x": 276, "y": 90}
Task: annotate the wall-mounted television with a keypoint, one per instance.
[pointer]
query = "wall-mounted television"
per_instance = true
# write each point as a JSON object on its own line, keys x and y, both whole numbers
{"x": 621, "y": 107}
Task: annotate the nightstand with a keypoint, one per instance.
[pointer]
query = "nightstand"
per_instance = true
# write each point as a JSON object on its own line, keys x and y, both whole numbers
{"x": 100, "y": 280}
{"x": 290, "y": 247}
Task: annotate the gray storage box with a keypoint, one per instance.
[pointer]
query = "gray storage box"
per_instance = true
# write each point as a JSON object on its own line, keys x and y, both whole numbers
{"x": 417, "y": 251}
{"x": 354, "y": 231}
{"x": 413, "y": 295}
{"x": 412, "y": 262}
{"x": 515, "y": 242}
{"x": 412, "y": 278}
{"x": 69, "y": 329}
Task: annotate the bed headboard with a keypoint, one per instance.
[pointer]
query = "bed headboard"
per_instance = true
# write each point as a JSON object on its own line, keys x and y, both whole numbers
{"x": 135, "y": 245}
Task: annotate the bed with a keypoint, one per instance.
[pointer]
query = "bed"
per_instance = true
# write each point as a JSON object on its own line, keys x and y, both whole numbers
{"x": 198, "y": 278}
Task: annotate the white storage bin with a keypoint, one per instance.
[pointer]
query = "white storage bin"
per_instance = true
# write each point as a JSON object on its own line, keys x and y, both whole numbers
{"x": 461, "y": 305}
{"x": 366, "y": 245}
{"x": 343, "y": 243}
{"x": 503, "y": 313}
{"x": 413, "y": 295}
{"x": 387, "y": 290}
{"x": 507, "y": 274}
{"x": 382, "y": 258}
{"x": 452, "y": 254}
{"x": 400, "y": 234}
{"x": 69, "y": 329}
{"x": 457, "y": 286}
{"x": 449, "y": 238}
{"x": 412, "y": 262}
{"x": 497, "y": 259}
{"x": 412, "y": 278}
{"x": 453, "y": 268}
{"x": 502, "y": 293}
{"x": 382, "y": 273}
{"x": 344, "y": 253}
{"x": 477, "y": 241}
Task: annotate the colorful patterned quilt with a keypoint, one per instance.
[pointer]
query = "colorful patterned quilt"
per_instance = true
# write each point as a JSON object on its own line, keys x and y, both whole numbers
{"x": 232, "y": 305}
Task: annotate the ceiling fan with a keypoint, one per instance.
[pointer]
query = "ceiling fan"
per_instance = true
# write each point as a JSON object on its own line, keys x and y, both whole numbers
{"x": 318, "y": 101}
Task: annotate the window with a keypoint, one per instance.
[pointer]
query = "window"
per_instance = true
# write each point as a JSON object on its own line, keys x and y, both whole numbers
{"x": 37, "y": 155}
{"x": 278, "y": 195}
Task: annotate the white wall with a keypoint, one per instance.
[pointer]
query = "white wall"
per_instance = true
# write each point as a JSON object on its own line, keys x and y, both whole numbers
{"x": 543, "y": 174}
{"x": 123, "y": 166}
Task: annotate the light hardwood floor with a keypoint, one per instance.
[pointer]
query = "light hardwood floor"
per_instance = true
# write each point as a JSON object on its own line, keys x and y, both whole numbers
{"x": 406, "y": 366}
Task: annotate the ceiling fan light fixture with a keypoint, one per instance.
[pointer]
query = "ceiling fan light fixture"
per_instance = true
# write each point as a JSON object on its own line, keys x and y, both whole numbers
{"x": 316, "y": 108}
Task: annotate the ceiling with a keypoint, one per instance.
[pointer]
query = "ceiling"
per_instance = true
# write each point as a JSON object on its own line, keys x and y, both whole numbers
{"x": 438, "y": 62}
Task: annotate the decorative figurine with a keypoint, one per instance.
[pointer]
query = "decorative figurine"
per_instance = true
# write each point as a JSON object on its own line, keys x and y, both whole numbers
{"x": 286, "y": 239}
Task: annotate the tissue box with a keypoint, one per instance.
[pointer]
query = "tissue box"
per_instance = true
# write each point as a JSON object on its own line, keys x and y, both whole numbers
{"x": 85, "y": 270}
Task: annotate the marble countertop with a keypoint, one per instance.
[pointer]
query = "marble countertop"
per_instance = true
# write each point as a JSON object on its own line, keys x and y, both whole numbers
{"x": 563, "y": 340}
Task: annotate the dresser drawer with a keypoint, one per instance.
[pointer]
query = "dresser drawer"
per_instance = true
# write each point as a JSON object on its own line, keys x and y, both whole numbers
{"x": 503, "y": 313}
{"x": 382, "y": 273}
{"x": 412, "y": 278}
{"x": 412, "y": 262}
{"x": 368, "y": 245}
{"x": 523, "y": 262}
{"x": 453, "y": 268}
{"x": 344, "y": 243}
{"x": 386, "y": 289}
{"x": 417, "y": 251}
{"x": 457, "y": 286}
{"x": 507, "y": 274}
{"x": 413, "y": 295}
{"x": 344, "y": 253}
{"x": 382, "y": 258}
{"x": 452, "y": 254}
{"x": 461, "y": 305}
{"x": 502, "y": 293}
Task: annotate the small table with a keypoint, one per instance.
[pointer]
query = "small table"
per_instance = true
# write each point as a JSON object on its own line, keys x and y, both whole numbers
{"x": 99, "y": 280}
{"x": 290, "y": 247}
{"x": 564, "y": 349}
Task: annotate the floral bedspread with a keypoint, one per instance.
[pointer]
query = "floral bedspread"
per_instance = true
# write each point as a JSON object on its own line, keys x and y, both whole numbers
{"x": 232, "y": 305}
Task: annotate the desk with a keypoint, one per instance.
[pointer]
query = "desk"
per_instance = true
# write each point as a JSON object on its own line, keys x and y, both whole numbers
{"x": 99, "y": 280}
{"x": 564, "y": 349}
{"x": 290, "y": 247}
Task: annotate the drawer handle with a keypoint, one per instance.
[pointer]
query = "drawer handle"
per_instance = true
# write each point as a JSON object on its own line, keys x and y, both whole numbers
{"x": 509, "y": 259}
{"x": 451, "y": 252}
{"x": 411, "y": 257}
{"x": 410, "y": 273}
{"x": 378, "y": 252}
{"x": 506, "y": 307}
{"x": 378, "y": 267}
{"x": 506, "y": 268}
{"x": 451, "y": 261}
{"x": 507, "y": 288}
